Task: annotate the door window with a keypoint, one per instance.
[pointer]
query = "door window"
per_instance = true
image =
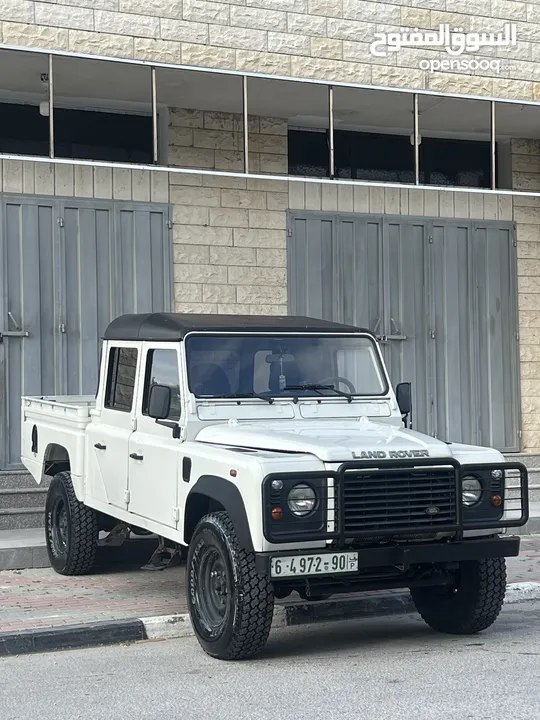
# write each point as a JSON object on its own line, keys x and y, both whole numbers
{"x": 121, "y": 378}
{"x": 162, "y": 369}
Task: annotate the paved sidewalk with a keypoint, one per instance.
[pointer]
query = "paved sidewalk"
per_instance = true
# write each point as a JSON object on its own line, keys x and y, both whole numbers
{"x": 39, "y": 598}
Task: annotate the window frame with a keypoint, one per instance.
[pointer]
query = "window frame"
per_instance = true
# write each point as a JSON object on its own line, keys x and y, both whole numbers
{"x": 149, "y": 356}
{"x": 383, "y": 370}
{"x": 112, "y": 382}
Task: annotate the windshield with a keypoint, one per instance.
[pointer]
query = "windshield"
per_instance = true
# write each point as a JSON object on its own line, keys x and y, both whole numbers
{"x": 283, "y": 366}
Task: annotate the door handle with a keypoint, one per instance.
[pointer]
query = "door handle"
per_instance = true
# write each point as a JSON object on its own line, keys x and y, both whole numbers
{"x": 136, "y": 457}
{"x": 99, "y": 446}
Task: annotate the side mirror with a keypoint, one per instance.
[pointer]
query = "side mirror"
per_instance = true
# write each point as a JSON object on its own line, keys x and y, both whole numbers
{"x": 404, "y": 398}
{"x": 159, "y": 402}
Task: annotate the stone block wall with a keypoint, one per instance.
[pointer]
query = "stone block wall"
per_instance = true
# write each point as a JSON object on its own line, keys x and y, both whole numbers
{"x": 229, "y": 234}
{"x": 320, "y": 39}
{"x": 526, "y": 175}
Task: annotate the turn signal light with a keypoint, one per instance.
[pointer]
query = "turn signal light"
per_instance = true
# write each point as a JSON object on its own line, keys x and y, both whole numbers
{"x": 496, "y": 500}
{"x": 277, "y": 513}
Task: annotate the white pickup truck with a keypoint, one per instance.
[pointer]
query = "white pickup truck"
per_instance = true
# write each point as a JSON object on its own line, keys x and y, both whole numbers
{"x": 277, "y": 451}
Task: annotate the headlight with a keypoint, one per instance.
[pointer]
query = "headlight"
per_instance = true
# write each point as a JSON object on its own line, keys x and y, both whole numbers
{"x": 472, "y": 491}
{"x": 302, "y": 500}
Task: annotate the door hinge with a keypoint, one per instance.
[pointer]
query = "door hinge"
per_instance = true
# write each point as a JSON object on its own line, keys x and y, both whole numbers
{"x": 520, "y": 433}
{"x": 517, "y": 336}
{"x": 176, "y": 514}
{"x": 127, "y": 496}
{"x": 169, "y": 224}
{"x": 61, "y": 222}
{"x": 432, "y": 334}
{"x": 289, "y": 232}
{"x": 430, "y": 239}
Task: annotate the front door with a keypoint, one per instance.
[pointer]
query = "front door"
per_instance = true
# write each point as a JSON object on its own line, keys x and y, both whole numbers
{"x": 154, "y": 454}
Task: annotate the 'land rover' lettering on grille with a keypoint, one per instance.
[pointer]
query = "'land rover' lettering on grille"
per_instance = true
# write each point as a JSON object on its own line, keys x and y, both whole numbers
{"x": 391, "y": 454}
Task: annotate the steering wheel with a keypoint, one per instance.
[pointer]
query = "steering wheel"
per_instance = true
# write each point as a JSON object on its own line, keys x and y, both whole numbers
{"x": 339, "y": 379}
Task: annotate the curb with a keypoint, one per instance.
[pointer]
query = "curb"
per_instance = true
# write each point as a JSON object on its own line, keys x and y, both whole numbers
{"x": 168, "y": 627}
{"x": 109, "y": 632}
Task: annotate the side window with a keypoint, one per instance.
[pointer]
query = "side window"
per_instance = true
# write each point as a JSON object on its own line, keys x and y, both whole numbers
{"x": 162, "y": 369}
{"x": 121, "y": 376}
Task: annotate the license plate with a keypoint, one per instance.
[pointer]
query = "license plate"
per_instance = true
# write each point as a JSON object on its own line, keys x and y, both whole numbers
{"x": 326, "y": 564}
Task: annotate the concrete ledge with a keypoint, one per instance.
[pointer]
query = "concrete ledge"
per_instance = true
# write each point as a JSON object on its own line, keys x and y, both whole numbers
{"x": 20, "y": 549}
{"x": 167, "y": 627}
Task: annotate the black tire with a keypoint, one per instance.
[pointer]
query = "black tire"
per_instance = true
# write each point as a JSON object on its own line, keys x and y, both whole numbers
{"x": 230, "y": 604}
{"x": 71, "y": 529}
{"x": 472, "y": 605}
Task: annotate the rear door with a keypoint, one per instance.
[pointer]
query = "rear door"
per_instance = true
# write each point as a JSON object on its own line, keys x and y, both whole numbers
{"x": 108, "y": 436}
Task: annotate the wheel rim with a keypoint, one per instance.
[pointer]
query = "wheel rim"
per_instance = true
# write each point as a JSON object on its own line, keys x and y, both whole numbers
{"x": 59, "y": 527}
{"x": 212, "y": 594}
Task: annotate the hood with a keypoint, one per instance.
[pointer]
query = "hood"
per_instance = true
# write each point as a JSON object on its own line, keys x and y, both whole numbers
{"x": 330, "y": 441}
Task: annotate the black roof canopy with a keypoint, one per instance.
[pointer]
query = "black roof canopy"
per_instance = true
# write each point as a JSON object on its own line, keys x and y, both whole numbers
{"x": 175, "y": 326}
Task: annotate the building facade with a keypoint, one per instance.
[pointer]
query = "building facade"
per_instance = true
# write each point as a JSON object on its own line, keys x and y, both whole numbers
{"x": 398, "y": 190}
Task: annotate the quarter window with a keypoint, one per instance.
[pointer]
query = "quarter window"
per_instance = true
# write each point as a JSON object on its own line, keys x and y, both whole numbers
{"x": 121, "y": 378}
{"x": 162, "y": 369}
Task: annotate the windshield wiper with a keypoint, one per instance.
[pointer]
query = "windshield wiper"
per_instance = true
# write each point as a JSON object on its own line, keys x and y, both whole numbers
{"x": 245, "y": 396}
{"x": 317, "y": 388}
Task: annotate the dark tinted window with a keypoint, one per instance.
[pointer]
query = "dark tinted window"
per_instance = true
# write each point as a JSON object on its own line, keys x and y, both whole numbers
{"x": 121, "y": 379}
{"x": 162, "y": 369}
{"x": 390, "y": 158}
{"x": 79, "y": 134}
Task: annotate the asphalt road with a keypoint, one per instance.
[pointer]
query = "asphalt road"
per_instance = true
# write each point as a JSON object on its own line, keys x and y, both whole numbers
{"x": 375, "y": 669}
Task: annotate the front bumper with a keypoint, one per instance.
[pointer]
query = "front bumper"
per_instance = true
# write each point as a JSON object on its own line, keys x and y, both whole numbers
{"x": 404, "y": 557}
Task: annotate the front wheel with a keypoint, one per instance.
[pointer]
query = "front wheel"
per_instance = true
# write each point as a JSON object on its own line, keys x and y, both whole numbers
{"x": 230, "y": 603}
{"x": 471, "y": 604}
{"x": 71, "y": 529}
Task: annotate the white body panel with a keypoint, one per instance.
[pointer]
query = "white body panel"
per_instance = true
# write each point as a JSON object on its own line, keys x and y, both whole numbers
{"x": 287, "y": 436}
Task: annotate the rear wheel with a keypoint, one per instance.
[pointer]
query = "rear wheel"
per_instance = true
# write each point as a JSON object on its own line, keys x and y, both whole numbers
{"x": 471, "y": 604}
{"x": 71, "y": 529}
{"x": 230, "y": 603}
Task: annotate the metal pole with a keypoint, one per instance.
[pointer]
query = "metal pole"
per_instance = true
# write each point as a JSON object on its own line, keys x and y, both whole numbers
{"x": 493, "y": 148}
{"x": 332, "y": 158}
{"x": 51, "y": 108}
{"x": 416, "y": 138}
{"x": 246, "y": 122}
{"x": 154, "y": 118}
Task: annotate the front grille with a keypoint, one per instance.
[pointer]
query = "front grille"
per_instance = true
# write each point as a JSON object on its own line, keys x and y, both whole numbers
{"x": 399, "y": 502}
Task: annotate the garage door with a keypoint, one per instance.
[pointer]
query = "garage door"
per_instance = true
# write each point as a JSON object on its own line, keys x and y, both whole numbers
{"x": 68, "y": 268}
{"x": 442, "y": 296}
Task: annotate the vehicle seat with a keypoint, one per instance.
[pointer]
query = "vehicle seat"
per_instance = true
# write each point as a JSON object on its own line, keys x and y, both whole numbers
{"x": 210, "y": 379}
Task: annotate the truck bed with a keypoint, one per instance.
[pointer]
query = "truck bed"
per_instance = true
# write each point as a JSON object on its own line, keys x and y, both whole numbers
{"x": 49, "y": 421}
{"x": 72, "y": 408}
